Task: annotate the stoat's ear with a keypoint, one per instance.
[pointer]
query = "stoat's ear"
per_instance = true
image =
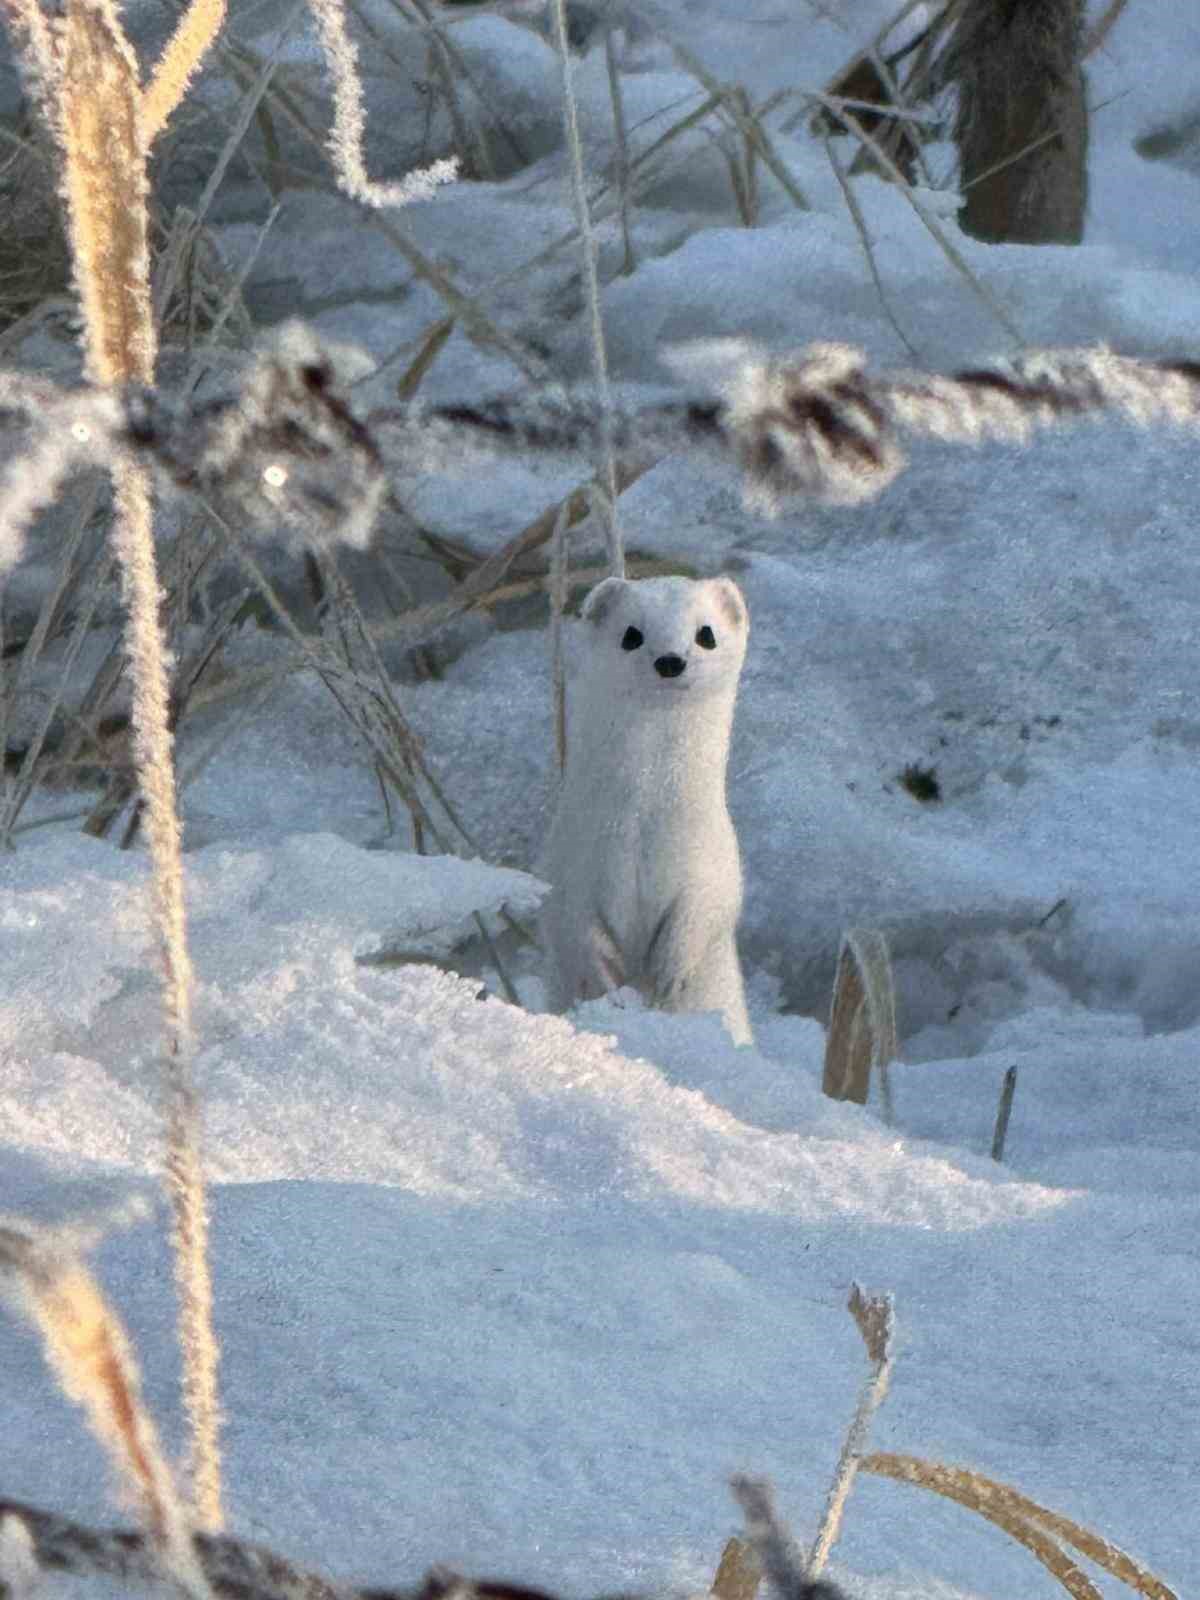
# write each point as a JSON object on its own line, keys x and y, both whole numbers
{"x": 732, "y": 602}
{"x": 602, "y": 599}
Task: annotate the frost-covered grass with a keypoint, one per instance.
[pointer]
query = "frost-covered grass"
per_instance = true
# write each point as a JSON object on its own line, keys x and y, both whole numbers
{"x": 518, "y": 1293}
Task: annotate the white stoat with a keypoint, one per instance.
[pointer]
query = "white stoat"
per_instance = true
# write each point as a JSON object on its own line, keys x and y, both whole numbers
{"x": 642, "y": 858}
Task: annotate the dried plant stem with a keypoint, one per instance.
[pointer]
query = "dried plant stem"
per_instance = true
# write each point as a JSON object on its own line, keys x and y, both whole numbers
{"x": 558, "y": 584}
{"x": 468, "y": 136}
{"x": 862, "y": 1017}
{"x": 1023, "y": 1518}
{"x": 616, "y": 552}
{"x": 874, "y": 1318}
{"x": 133, "y": 541}
{"x": 458, "y": 70}
{"x": 950, "y": 251}
{"x": 94, "y": 1363}
{"x": 106, "y": 192}
{"x": 346, "y": 141}
{"x": 860, "y": 225}
{"x": 579, "y": 579}
{"x": 622, "y": 175}
{"x": 739, "y": 1572}
{"x": 746, "y": 120}
{"x": 197, "y": 28}
{"x": 99, "y": 120}
{"x": 1003, "y": 1111}
{"x": 414, "y": 628}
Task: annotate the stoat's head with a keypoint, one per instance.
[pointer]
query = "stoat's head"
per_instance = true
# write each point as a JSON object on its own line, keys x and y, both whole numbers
{"x": 661, "y": 636}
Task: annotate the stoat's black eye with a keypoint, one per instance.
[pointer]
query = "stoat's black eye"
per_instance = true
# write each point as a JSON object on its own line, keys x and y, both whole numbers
{"x": 633, "y": 638}
{"x": 706, "y": 639}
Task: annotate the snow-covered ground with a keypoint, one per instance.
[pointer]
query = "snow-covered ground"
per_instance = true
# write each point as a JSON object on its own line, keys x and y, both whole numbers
{"x": 519, "y": 1293}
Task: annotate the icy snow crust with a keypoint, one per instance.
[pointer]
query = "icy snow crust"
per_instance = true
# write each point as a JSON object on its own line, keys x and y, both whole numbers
{"x": 519, "y": 1293}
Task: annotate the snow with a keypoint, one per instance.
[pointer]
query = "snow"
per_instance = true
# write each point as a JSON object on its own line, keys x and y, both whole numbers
{"x": 520, "y": 1293}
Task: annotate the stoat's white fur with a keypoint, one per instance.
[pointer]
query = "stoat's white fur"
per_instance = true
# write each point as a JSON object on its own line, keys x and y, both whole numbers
{"x": 642, "y": 856}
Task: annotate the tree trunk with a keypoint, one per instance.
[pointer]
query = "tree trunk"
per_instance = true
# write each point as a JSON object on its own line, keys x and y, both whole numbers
{"x": 1022, "y": 121}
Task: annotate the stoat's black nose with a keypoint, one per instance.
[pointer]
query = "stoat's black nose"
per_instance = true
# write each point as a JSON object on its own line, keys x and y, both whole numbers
{"x": 669, "y": 666}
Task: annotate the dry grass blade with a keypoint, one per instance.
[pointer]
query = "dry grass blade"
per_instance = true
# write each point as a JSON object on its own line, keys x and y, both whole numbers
{"x": 621, "y": 133}
{"x": 465, "y": 307}
{"x": 739, "y": 1572}
{"x": 1026, "y": 1521}
{"x": 186, "y": 48}
{"x": 862, "y": 1020}
{"x": 415, "y": 627}
{"x": 1098, "y": 1549}
{"x": 579, "y": 580}
{"x": 860, "y": 227}
{"x": 65, "y": 586}
{"x": 453, "y": 68}
{"x": 232, "y": 301}
{"x": 191, "y": 667}
{"x": 95, "y": 1365}
{"x": 368, "y": 707}
{"x": 942, "y": 1480}
{"x": 469, "y": 137}
{"x": 32, "y": 765}
{"x": 750, "y": 126}
{"x": 387, "y": 727}
{"x": 431, "y": 347}
{"x": 251, "y": 103}
{"x": 852, "y": 125}
{"x": 638, "y": 171}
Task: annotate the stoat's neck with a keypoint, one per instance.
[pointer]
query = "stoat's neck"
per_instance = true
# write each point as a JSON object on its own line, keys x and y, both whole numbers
{"x": 658, "y": 744}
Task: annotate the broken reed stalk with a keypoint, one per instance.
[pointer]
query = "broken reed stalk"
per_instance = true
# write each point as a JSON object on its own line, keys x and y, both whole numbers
{"x": 91, "y": 1356}
{"x": 876, "y": 1322}
{"x": 862, "y": 1018}
{"x": 1003, "y": 1111}
{"x": 739, "y": 1572}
